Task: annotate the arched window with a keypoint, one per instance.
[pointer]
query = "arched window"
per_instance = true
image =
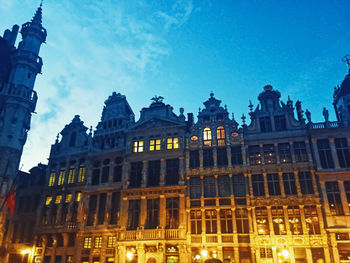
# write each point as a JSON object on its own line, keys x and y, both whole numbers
{"x": 207, "y": 136}
{"x": 73, "y": 138}
{"x": 220, "y": 135}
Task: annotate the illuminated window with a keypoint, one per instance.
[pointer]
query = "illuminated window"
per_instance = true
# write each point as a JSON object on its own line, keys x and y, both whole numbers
{"x": 172, "y": 143}
{"x": 111, "y": 242}
{"x": 58, "y": 199}
{"x": 266, "y": 253}
{"x": 98, "y": 242}
{"x": 254, "y": 154}
{"x": 52, "y": 178}
{"x": 278, "y": 220}
{"x": 138, "y": 146}
{"x": 262, "y": 221}
{"x": 61, "y": 177}
{"x": 311, "y": 218}
{"x": 110, "y": 259}
{"x": 242, "y": 221}
{"x": 226, "y": 221}
{"x": 196, "y": 221}
{"x": 210, "y": 221}
{"x": 71, "y": 175}
{"x": 154, "y": 145}
{"x": 87, "y": 242}
{"x": 48, "y": 200}
{"x": 78, "y": 198}
{"x": 220, "y": 135}
{"x": 68, "y": 198}
{"x": 194, "y": 138}
{"x": 81, "y": 175}
{"x": 295, "y": 220}
{"x": 207, "y": 136}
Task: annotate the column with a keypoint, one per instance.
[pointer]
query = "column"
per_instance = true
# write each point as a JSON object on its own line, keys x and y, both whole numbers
{"x": 334, "y": 244}
{"x": 320, "y": 219}
{"x": 201, "y": 158}
{"x": 303, "y": 220}
{"x": 262, "y": 154}
{"x": 285, "y": 213}
{"x": 203, "y": 225}
{"x": 297, "y": 183}
{"x": 266, "y": 186}
{"x": 124, "y": 207}
{"x": 162, "y": 211}
{"x": 269, "y": 215}
{"x": 182, "y": 212}
{"x": 236, "y": 254}
{"x": 255, "y": 226}
{"x": 314, "y": 182}
{"x": 218, "y": 223}
{"x": 229, "y": 156}
{"x": 126, "y": 172}
{"x": 326, "y": 205}
{"x": 162, "y": 171}
{"x": 144, "y": 173}
{"x": 308, "y": 150}
{"x": 278, "y": 160}
{"x": 317, "y": 157}
{"x": 327, "y": 255}
{"x": 187, "y": 159}
{"x": 291, "y": 255}
{"x": 344, "y": 200}
{"x": 181, "y": 170}
{"x": 250, "y": 185}
{"x": 244, "y": 154}
{"x": 291, "y": 146}
{"x": 309, "y": 255}
{"x": 108, "y": 207}
{"x": 280, "y": 177}
{"x": 334, "y": 153}
{"x": 143, "y": 212}
{"x": 215, "y": 157}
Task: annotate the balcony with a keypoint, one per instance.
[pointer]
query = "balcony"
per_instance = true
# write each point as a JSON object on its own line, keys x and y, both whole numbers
{"x": 21, "y": 92}
{"x": 153, "y": 234}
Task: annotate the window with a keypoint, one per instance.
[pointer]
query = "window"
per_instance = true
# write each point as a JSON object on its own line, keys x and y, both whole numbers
{"x": 305, "y": 181}
{"x": 210, "y": 221}
{"x": 152, "y": 213}
{"x": 209, "y": 186}
{"x": 347, "y": 190}
{"x": 61, "y": 177}
{"x": 224, "y": 186}
{"x": 242, "y": 221}
{"x": 208, "y": 158}
{"x": 172, "y": 143}
{"x": 284, "y": 153}
{"x": 52, "y": 178}
{"x": 58, "y": 199}
{"x": 278, "y": 220}
{"x": 135, "y": 174}
{"x": 334, "y": 200}
{"x": 102, "y": 209}
{"x": 68, "y": 198}
{"x": 154, "y": 145}
{"x": 254, "y": 155}
{"x": 71, "y": 176}
{"x": 92, "y": 210}
{"x": 273, "y": 184}
{"x": 194, "y": 159}
{"x": 262, "y": 221}
{"x": 266, "y": 252}
{"x": 105, "y": 174}
{"x": 195, "y": 187}
{"x": 220, "y": 135}
{"x": 311, "y": 218}
{"x": 222, "y": 157}
{"x": 98, "y": 242}
{"x": 87, "y": 242}
{"x": 48, "y": 200}
{"x": 133, "y": 214}
{"x": 269, "y": 154}
{"x": 265, "y": 124}
{"x": 114, "y": 210}
{"x": 258, "y": 185}
{"x": 239, "y": 185}
{"x": 95, "y": 176}
{"x": 196, "y": 221}
{"x": 117, "y": 173}
{"x": 172, "y": 213}
{"x": 289, "y": 184}
{"x": 226, "y": 221}
{"x": 294, "y": 219}
{"x": 78, "y": 197}
{"x": 153, "y": 173}
{"x": 325, "y": 154}
{"x": 300, "y": 152}
{"x": 172, "y": 172}
{"x": 138, "y": 146}
{"x": 81, "y": 176}
{"x": 111, "y": 242}
{"x": 280, "y": 123}
{"x": 236, "y": 155}
{"x": 343, "y": 152}
{"x": 207, "y": 136}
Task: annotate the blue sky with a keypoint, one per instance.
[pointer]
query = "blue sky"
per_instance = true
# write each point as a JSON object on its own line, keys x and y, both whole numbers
{"x": 181, "y": 50}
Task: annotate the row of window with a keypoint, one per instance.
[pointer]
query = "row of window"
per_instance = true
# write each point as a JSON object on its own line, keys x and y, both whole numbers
{"x": 227, "y": 218}
{"x": 279, "y": 122}
{"x": 334, "y": 197}
{"x": 64, "y": 177}
{"x": 156, "y": 145}
{"x": 325, "y": 153}
{"x": 96, "y": 242}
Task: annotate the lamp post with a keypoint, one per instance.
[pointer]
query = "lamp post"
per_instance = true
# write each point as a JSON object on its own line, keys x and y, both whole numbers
{"x": 23, "y": 253}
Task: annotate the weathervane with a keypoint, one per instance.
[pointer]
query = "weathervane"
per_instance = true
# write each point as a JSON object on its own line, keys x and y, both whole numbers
{"x": 157, "y": 99}
{"x": 346, "y": 59}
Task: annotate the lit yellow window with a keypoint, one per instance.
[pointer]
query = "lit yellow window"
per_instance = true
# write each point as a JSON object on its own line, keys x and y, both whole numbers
{"x": 98, "y": 242}
{"x": 81, "y": 176}
{"x": 58, "y": 199}
{"x": 154, "y": 145}
{"x": 71, "y": 175}
{"x": 87, "y": 242}
{"x": 207, "y": 136}
{"x": 68, "y": 198}
{"x": 110, "y": 259}
{"x": 138, "y": 146}
{"x": 78, "y": 197}
{"x": 172, "y": 143}
{"x": 220, "y": 135}
{"x": 61, "y": 177}
{"x": 111, "y": 242}
{"x": 52, "y": 178}
{"x": 48, "y": 200}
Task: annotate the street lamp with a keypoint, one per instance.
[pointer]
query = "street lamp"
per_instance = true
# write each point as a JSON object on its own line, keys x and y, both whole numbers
{"x": 24, "y": 252}
{"x": 129, "y": 255}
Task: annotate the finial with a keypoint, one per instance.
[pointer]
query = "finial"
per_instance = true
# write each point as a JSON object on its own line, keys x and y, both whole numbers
{"x": 243, "y": 118}
{"x": 157, "y": 99}
{"x": 325, "y": 114}
{"x": 211, "y": 94}
{"x": 182, "y": 110}
{"x": 57, "y": 137}
{"x": 233, "y": 116}
{"x": 37, "y": 19}
{"x": 346, "y": 59}
{"x": 90, "y": 133}
{"x": 250, "y": 105}
{"x": 225, "y": 107}
{"x": 41, "y": 3}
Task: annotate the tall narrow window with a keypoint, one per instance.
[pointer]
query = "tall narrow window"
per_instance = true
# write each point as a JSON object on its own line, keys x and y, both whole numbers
{"x": 269, "y": 154}
{"x": 284, "y": 153}
{"x": 92, "y": 210}
{"x": 102, "y": 209}
{"x": 294, "y": 219}
{"x": 280, "y": 123}
{"x": 210, "y": 221}
{"x": 96, "y": 173}
{"x": 226, "y": 221}
{"x": 262, "y": 221}
{"x": 209, "y": 186}
{"x": 61, "y": 177}
{"x": 172, "y": 172}
{"x": 236, "y": 155}
{"x": 300, "y": 152}
{"x": 289, "y": 184}
{"x": 135, "y": 174}
{"x": 196, "y": 221}
{"x": 220, "y": 135}
{"x": 133, "y": 215}
{"x": 138, "y": 146}
{"x": 105, "y": 174}
{"x": 278, "y": 220}
{"x": 72, "y": 140}
{"x": 254, "y": 155}
{"x": 195, "y": 187}
{"x": 71, "y": 175}
{"x": 154, "y": 144}
{"x": 222, "y": 157}
{"x": 343, "y": 152}
{"x": 258, "y": 185}
{"x": 194, "y": 159}
{"x": 152, "y": 213}
{"x": 208, "y": 160}
{"x": 305, "y": 181}
{"x": 111, "y": 243}
{"x": 347, "y": 191}
{"x": 117, "y": 173}
{"x": 311, "y": 219}
{"x": 81, "y": 176}
{"x": 115, "y": 207}
{"x": 87, "y": 242}
{"x": 239, "y": 185}
{"x": 98, "y": 242}
{"x": 207, "y": 136}
{"x": 172, "y": 213}
{"x": 52, "y": 178}
{"x": 242, "y": 221}
{"x": 334, "y": 200}
{"x": 273, "y": 184}
{"x": 153, "y": 173}
{"x": 224, "y": 186}
{"x": 325, "y": 154}
{"x": 172, "y": 143}
{"x": 265, "y": 124}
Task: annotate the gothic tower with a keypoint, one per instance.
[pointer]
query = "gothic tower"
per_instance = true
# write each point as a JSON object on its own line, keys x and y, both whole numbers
{"x": 18, "y": 70}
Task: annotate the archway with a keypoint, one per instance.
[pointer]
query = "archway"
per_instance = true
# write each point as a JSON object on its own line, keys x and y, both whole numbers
{"x": 151, "y": 260}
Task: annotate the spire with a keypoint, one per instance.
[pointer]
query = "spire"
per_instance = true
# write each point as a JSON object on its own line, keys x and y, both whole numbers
{"x": 37, "y": 19}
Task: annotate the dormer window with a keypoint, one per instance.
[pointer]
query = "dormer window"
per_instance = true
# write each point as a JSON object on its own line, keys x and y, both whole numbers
{"x": 61, "y": 177}
{"x": 265, "y": 124}
{"x": 52, "y": 178}
{"x": 172, "y": 143}
{"x": 207, "y": 136}
{"x": 220, "y": 135}
{"x": 280, "y": 123}
{"x": 138, "y": 146}
{"x": 154, "y": 145}
{"x": 73, "y": 139}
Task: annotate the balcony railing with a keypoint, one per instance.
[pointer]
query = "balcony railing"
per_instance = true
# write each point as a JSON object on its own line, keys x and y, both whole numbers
{"x": 152, "y": 234}
{"x": 20, "y": 91}
{"x": 327, "y": 124}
